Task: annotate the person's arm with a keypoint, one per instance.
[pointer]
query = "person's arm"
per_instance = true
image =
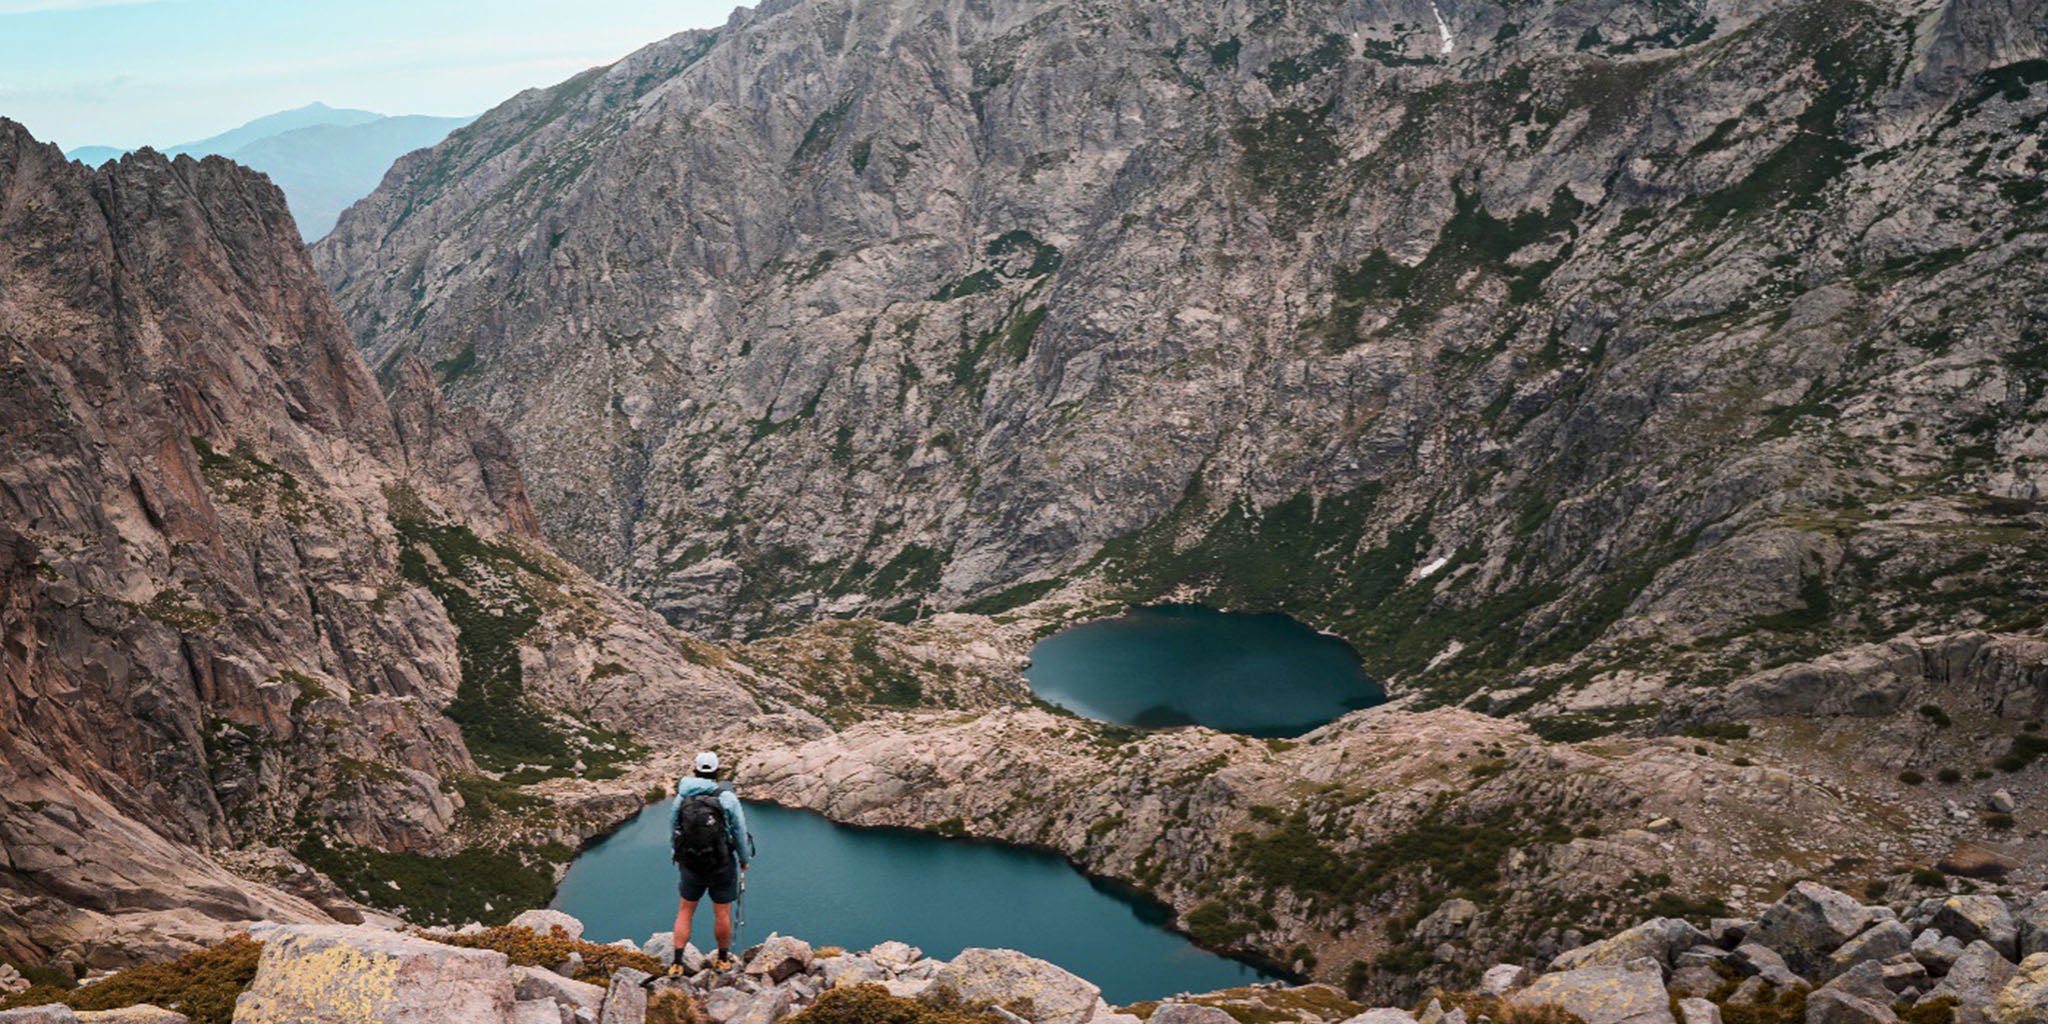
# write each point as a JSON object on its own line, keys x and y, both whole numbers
{"x": 736, "y": 826}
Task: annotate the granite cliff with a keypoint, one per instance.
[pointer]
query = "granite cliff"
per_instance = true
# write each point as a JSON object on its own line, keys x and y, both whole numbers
{"x": 1573, "y": 352}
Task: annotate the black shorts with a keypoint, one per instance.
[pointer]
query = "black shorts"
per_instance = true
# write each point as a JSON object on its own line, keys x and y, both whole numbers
{"x": 724, "y": 887}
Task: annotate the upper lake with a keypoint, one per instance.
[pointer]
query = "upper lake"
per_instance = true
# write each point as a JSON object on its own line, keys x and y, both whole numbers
{"x": 1258, "y": 675}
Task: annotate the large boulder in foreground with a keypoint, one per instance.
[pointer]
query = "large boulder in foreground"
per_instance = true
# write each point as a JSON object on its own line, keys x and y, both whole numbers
{"x": 1040, "y": 992}
{"x": 1660, "y": 939}
{"x": 343, "y": 975}
{"x": 1631, "y": 993}
{"x": 1810, "y": 922}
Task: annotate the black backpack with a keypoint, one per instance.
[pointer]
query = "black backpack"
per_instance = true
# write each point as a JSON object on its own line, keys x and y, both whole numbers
{"x": 698, "y": 839}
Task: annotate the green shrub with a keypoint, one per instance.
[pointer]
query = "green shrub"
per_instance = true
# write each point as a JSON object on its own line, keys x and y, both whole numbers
{"x": 202, "y": 984}
{"x": 1929, "y": 878}
{"x": 1934, "y": 713}
{"x": 1949, "y": 776}
{"x": 1934, "y": 1011}
{"x": 1911, "y": 777}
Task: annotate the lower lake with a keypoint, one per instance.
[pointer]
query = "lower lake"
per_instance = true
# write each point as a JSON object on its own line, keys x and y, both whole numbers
{"x": 1259, "y": 675}
{"x": 832, "y": 885}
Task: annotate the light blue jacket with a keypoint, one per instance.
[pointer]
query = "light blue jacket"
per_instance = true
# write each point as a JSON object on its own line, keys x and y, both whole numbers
{"x": 735, "y": 815}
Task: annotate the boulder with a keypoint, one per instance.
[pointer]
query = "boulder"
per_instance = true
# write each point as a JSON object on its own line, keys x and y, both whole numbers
{"x": 852, "y": 969}
{"x": 543, "y": 921}
{"x": 1190, "y": 1013}
{"x": 1386, "y": 1015}
{"x": 768, "y": 1007}
{"x": 780, "y": 958}
{"x": 1808, "y": 923}
{"x": 1698, "y": 1011}
{"x": 2032, "y": 920}
{"x": 2024, "y": 999}
{"x": 139, "y": 1014}
{"x": 907, "y": 988}
{"x": 329, "y": 974}
{"x": 54, "y": 1013}
{"x": 1753, "y": 992}
{"x": 1501, "y": 979}
{"x": 1630, "y": 993}
{"x": 625, "y": 999}
{"x": 534, "y": 983}
{"x": 1764, "y": 962}
{"x": 1979, "y": 917}
{"x": 722, "y": 1005}
{"x": 1977, "y": 977}
{"x": 1007, "y": 977}
{"x": 1694, "y": 980}
{"x": 895, "y": 956}
{"x": 1833, "y": 1006}
{"x": 1937, "y": 951}
{"x": 1447, "y": 922}
{"x": 1903, "y": 974}
{"x": 541, "y": 1011}
{"x": 1728, "y": 932}
{"x": 1661, "y": 939}
{"x": 1883, "y": 941}
{"x": 2000, "y": 802}
{"x": 1864, "y": 981}
{"x": 570, "y": 967}
{"x": 1114, "y": 1018}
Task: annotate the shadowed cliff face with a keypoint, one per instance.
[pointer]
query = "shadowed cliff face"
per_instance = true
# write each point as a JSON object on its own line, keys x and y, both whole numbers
{"x": 238, "y": 590}
{"x": 1550, "y": 340}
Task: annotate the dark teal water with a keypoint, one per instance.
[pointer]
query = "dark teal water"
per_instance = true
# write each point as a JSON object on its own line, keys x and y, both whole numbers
{"x": 837, "y": 886}
{"x": 1259, "y": 675}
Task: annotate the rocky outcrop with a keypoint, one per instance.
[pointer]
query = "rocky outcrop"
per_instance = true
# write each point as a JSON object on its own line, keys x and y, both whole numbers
{"x": 248, "y": 604}
{"x": 1383, "y": 815}
{"x": 354, "y": 975}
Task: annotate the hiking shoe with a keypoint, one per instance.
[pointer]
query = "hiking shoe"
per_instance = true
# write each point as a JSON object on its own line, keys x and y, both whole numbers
{"x": 721, "y": 961}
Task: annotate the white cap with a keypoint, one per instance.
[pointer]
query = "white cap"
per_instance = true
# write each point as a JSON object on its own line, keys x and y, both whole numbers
{"x": 707, "y": 762}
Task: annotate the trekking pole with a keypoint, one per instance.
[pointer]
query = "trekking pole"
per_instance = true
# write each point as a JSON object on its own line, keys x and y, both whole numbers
{"x": 739, "y": 922}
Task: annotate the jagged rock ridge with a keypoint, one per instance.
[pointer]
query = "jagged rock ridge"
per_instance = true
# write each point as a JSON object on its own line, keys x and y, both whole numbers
{"x": 245, "y": 601}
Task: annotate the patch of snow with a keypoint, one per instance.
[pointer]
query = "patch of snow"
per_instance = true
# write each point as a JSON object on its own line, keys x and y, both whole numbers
{"x": 1431, "y": 569}
{"x": 1443, "y": 27}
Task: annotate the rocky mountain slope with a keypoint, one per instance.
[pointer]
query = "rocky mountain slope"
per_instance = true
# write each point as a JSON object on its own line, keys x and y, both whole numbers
{"x": 1816, "y": 954}
{"x": 256, "y": 616}
{"x": 1647, "y": 342}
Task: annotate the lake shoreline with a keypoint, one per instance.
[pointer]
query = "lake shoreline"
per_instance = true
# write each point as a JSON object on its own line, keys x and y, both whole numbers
{"x": 1150, "y": 910}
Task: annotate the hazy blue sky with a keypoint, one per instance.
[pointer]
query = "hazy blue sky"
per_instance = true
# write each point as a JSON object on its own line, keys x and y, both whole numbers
{"x": 129, "y": 72}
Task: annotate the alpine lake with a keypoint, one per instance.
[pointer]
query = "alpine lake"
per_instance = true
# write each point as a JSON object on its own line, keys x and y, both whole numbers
{"x": 836, "y": 885}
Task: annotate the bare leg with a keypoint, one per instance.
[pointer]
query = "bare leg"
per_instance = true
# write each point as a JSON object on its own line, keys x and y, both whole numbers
{"x": 685, "y": 911}
{"x": 721, "y": 924}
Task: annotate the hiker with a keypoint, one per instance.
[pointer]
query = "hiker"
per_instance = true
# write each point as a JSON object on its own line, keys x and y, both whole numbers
{"x": 711, "y": 846}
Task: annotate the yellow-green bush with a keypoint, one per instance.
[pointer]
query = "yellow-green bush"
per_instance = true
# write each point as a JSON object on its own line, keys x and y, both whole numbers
{"x": 529, "y": 948}
{"x": 872, "y": 1004}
